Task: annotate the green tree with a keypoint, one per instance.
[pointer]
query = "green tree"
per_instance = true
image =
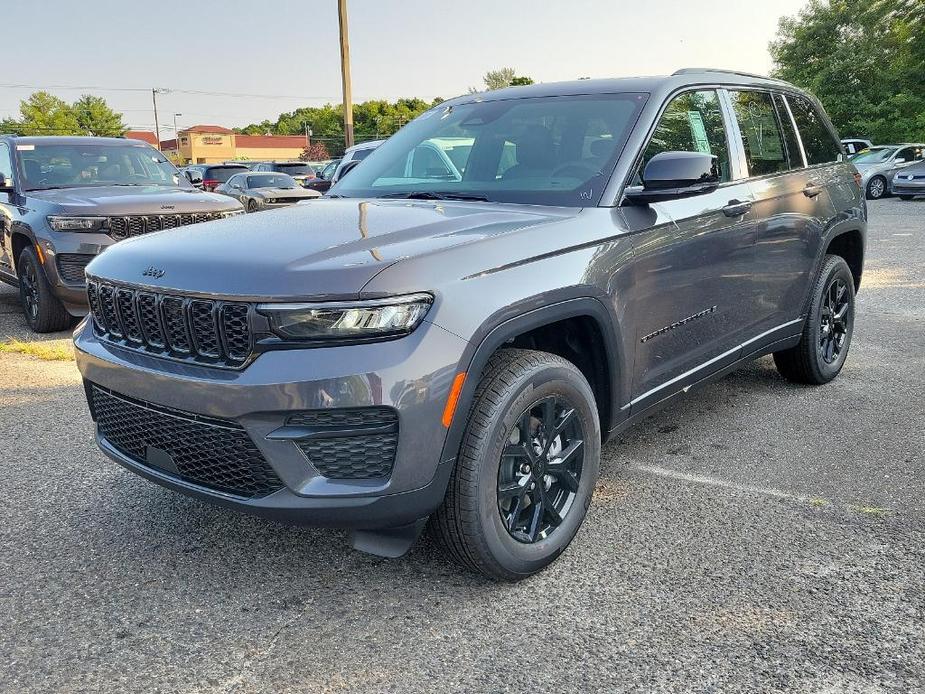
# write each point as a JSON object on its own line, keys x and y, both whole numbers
{"x": 95, "y": 117}
{"x": 501, "y": 78}
{"x": 44, "y": 114}
{"x": 864, "y": 59}
{"x": 521, "y": 81}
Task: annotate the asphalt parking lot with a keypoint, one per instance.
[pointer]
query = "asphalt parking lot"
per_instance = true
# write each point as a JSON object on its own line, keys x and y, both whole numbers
{"x": 758, "y": 536}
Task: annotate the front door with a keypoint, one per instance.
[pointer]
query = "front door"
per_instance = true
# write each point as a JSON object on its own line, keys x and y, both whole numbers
{"x": 693, "y": 296}
{"x": 6, "y": 213}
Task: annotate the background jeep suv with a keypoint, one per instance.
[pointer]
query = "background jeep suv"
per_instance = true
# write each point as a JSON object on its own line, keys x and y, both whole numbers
{"x": 63, "y": 200}
{"x": 458, "y": 347}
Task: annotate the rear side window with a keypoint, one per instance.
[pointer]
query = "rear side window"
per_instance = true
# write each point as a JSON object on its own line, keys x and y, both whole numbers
{"x": 761, "y": 136}
{"x": 819, "y": 143}
{"x": 790, "y": 133}
{"x": 692, "y": 122}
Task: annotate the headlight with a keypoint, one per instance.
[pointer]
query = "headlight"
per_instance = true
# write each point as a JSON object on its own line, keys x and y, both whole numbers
{"x": 60, "y": 223}
{"x": 350, "y": 320}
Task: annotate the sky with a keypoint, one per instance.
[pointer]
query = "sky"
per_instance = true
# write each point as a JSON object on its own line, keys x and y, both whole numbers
{"x": 277, "y": 56}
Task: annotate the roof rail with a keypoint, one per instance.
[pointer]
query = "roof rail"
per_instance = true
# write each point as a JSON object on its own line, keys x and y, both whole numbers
{"x": 694, "y": 70}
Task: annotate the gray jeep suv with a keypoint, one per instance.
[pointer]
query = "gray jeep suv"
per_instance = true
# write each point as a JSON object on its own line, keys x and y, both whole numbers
{"x": 455, "y": 341}
{"x": 64, "y": 200}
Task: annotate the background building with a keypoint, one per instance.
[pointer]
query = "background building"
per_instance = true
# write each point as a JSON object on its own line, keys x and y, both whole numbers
{"x": 207, "y": 144}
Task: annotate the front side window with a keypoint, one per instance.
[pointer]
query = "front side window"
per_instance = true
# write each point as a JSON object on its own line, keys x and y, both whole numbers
{"x": 92, "y": 164}
{"x": 538, "y": 150}
{"x": 6, "y": 164}
{"x": 819, "y": 143}
{"x": 761, "y": 136}
{"x": 910, "y": 154}
{"x": 692, "y": 122}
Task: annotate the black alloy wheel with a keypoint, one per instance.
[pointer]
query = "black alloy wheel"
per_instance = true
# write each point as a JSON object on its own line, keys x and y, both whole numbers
{"x": 540, "y": 470}
{"x": 29, "y": 292}
{"x": 834, "y": 317}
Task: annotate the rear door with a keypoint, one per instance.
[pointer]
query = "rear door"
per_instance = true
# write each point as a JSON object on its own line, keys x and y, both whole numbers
{"x": 692, "y": 286}
{"x": 792, "y": 206}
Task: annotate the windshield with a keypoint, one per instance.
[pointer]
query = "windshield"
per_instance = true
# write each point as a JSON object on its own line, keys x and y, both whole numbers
{"x": 543, "y": 150}
{"x": 872, "y": 156}
{"x": 93, "y": 164}
{"x": 295, "y": 169}
{"x": 271, "y": 181}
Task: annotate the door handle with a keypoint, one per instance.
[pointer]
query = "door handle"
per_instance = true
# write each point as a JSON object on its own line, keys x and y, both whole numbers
{"x": 812, "y": 190}
{"x": 736, "y": 208}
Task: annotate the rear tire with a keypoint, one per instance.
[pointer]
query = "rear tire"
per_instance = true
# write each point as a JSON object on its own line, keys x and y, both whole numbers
{"x": 43, "y": 312}
{"x": 876, "y": 188}
{"x": 492, "y": 520}
{"x": 823, "y": 347}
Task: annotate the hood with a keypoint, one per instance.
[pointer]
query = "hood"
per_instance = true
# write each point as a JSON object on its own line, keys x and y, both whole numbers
{"x": 119, "y": 200}
{"x": 873, "y": 166}
{"x": 320, "y": 249}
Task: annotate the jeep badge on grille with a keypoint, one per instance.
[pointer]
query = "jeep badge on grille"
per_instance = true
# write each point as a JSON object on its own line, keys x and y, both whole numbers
{"x": 152, "y": 271}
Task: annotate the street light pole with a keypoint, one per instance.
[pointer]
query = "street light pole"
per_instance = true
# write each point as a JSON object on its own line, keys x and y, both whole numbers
{"x": 345, "y": 72}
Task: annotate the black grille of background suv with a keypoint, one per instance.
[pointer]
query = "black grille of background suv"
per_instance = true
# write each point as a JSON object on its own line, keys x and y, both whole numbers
{"x": 213, "y": 453}
{"x": 212, "y": 332}
{"x": 136, "y": 225}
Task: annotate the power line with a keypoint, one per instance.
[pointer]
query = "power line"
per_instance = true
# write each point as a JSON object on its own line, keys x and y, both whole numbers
{"x": 197, "y": 92}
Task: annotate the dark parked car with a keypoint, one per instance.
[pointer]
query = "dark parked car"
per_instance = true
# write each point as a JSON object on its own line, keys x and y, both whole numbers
{"x": 63, "y": 200}
{"x": 459, "y": 349}
{"x": 213, "y": 175}
{"x": 265, "y": 191}
{"x": 299, "y": 170}
{"x": 322, "y": 181}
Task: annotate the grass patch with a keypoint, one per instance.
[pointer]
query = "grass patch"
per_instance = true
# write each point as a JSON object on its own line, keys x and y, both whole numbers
{"x": 47, "y": 351}
{"x": 818, "y": 502}
{"x": 872, "y": 510}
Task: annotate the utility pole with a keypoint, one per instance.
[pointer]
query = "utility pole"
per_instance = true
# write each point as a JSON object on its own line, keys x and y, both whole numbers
{"x": 345, "y": 72}
{"x": 157, "y": 127}
{"x": 176, "y": 134}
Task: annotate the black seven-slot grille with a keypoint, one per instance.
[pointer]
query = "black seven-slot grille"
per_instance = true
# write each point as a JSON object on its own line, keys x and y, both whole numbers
{"x": 349, "y": 443}
{"x": 136, "y": 225}
{"x": 212, "y": 453}
{"x": 212, "y": 332}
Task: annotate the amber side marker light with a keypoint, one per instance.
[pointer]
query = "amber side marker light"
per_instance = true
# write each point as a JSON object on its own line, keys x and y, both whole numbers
{"x": 857, "y": 179}
{"x": 453, "y": 398}
{"x": 40, "y": 254}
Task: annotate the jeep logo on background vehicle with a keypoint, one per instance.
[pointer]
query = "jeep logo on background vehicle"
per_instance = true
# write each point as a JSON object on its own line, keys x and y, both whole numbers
{"x": 458, "y": 362}
{"x": 152, "y": 271}
{"x": 75, "y": 197}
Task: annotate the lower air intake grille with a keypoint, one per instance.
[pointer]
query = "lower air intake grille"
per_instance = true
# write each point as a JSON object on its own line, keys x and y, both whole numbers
{"x": 347, "y": 444}
{"x": 212, "y": 453}
{"x": 71, "y": 266}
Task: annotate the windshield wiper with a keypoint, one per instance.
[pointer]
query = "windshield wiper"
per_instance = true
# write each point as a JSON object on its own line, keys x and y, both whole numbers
{"x": 434, "y": 195}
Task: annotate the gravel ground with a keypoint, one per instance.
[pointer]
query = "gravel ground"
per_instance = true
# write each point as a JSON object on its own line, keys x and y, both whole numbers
{"x": 755, "y": 537}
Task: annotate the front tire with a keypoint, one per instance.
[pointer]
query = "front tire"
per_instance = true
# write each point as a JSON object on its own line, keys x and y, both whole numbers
{"x": 43, "y": 312}
{"x": 251, "y": 205}
{"x": 876, "y": 188}
{"x": 823, "y": 347}
{"x": 527, "y": 467}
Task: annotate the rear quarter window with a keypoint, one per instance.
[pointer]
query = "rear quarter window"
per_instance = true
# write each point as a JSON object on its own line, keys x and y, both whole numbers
{"x": 819, "y": 142}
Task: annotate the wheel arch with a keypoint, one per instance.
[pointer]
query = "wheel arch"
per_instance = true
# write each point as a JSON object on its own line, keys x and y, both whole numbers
{"x": 849, "y": 244}
{"x": 594, "y": 328}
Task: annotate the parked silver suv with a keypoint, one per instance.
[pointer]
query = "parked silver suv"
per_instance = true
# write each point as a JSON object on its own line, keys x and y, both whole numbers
{"x": 457, "y": 345}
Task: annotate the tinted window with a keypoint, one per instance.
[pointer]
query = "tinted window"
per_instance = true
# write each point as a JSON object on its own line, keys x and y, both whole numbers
{"x": 539, "y": 150}
{"x": 222, "y": 173}
{"x": 819, "y": 143}
{"x": 295, "y": 169}
{"x": 692, "y": 122}
{"x": 790, "y": 133}
{"x": 361, "y": 154}
{"x": 271, "y": 181}
{"x": 761, "y": 136}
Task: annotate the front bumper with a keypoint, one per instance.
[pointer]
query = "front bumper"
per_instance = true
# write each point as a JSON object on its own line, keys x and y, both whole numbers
{"x": 60, "y": 245}
{"x": 412, "y": 375}
{"x": 904, "y": 186}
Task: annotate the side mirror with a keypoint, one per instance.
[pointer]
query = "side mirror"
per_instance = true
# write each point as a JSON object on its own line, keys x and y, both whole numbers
{"x": 194, "y": 177}
{"x": 348, "y": 167}
{"x": 6, "y": 184}
{"x": 676, "y": 175}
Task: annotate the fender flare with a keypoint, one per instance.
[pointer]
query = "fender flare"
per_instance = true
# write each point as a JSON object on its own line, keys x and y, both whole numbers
{"x": 846, "y": 226}
{"x": 477, "y": 355}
